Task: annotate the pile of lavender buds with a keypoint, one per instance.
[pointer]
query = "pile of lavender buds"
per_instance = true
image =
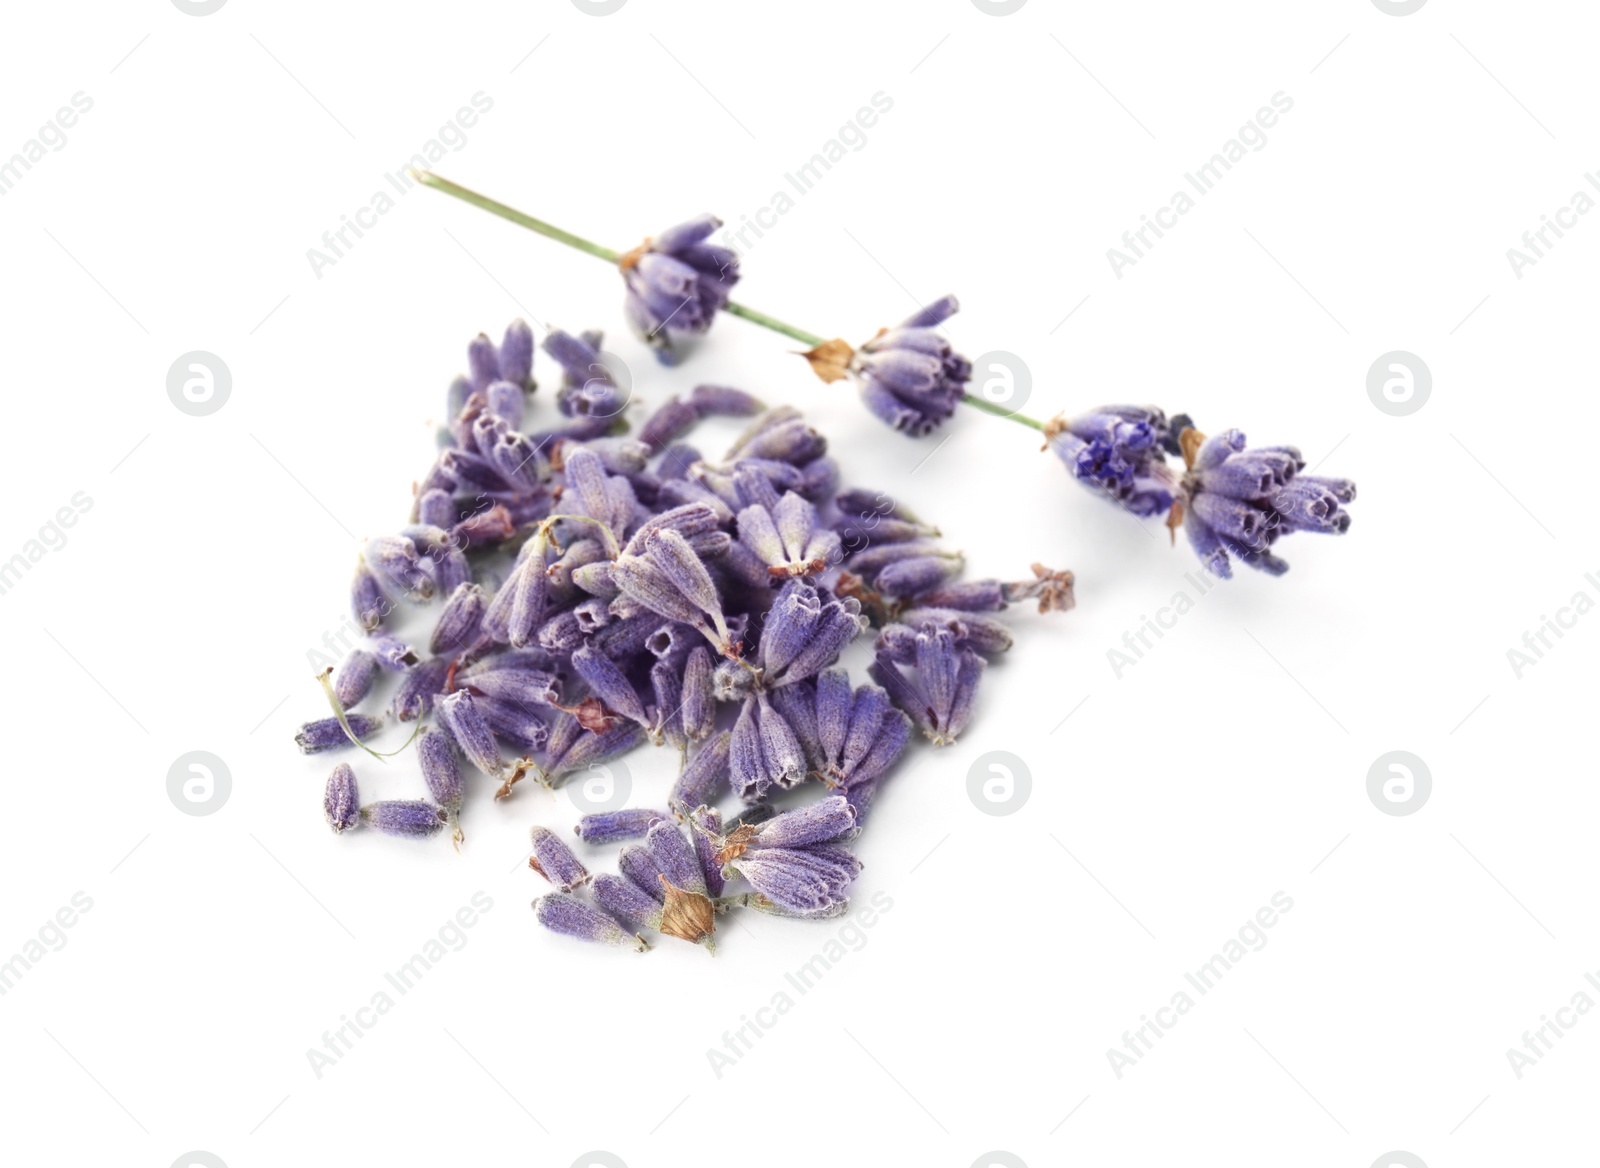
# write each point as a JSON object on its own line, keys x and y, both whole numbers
{"x": 595, "y": 591}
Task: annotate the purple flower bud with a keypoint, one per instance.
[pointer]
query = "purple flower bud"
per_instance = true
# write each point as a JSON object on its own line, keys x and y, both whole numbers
{"x": 419, "y": 686}
{"x": 676, "y": 282}
{"x": 436, "y": 508}
{"x": 971, "y": 631}
{"x": 515, "y": 724}
{"x": 393, "y": 654}
{"x": 940, "y": 699}
{"x": 471, "y": 733}
{"x": 367, "y": 601}
{"x": 675, "y": 856}
{"x": 460, "y": 619}
{"x": 802, "y": 880}
{"x": 909, "y": 376}
{"x": 515, "y": 358}
{"x": 353, "y": 681}
{"x": 553, "y": 860}
{"x": 755, "y": 900}
{"x": 1117, "y": 450}
{"x": 699, "y": 704}
{"x": 705, "y": 826}
{"x": 563, "y": 913}
{"x": 608, "y": 683}
{"x": 627, "y": 901}
{"x": 411, "y": 818}
{"x": 514, "y": 686}
{"x": 670, "y": 580}
{"x": 612, "y": 827}
{"x": 1241, "y": 500}
{"x": 639, "y": 864}
{"x": 787, "y": 537}
{"x": 704, "y": 778}
{"x": 327, "y": 734}
{"x": 395, "y": 561}
{"x": 722, "y": 401}
{"x": 803, "y": 635}
{"x": 672, "y": 419}
{"x": 341, "y": 802}
{"x": 437, "y": 754}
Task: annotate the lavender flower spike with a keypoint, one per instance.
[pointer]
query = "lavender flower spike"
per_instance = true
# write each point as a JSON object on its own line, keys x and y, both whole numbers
{"x": 909, "y": 376}
{"x": 676, "y": 283}
{"x": 553, "y": 860}
{"x": 327, "y": 734}
{"x": 1241, "y": 501}
{"x": 563, "y": 913}
{"x": 1117, "y": 450}
{"x": 341, "y": 802}
{"x": 409, "y": 818}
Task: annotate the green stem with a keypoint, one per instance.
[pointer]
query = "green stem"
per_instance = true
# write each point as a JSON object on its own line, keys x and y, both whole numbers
{"x": 429, "y": 179}
{"x": 989, "y": 407}
{"x": 494, "y": 207}
{"x": 774, "y": 324}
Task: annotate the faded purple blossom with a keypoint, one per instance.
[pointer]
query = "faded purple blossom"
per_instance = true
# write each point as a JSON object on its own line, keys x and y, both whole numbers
{"x": 676, "y": 282}
{"x": 328, "y": 734}
{"x": 613, "y": 827}
{"x": 410, "y": 818}
{"x": 563, "y": 913}
{"x": 341, "y": 801}
{"x": 554, "y": 860}
{"x": 1117, "y": 450}
{"x": 1241, "y": 500}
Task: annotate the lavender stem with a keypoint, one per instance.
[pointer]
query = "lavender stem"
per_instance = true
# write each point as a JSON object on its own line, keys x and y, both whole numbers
{"x": 439, "y": 183}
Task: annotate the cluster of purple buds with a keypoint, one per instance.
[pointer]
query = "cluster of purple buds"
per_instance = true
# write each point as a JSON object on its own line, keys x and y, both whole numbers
{"x": 1230, "y": 500}
{"x": 1119, "y": 451}
{"x": 594, "y": 590}
{"x": 909, "y": 377}
{"x": 676, "y": 282}
{"x": 1241, "y": 500}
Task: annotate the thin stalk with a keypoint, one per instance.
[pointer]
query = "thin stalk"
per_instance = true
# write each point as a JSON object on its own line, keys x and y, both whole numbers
{"x": 439, "y": 183}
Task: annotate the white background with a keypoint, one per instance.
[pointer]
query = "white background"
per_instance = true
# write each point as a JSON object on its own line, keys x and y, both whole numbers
{"x": 1227, "y": 765}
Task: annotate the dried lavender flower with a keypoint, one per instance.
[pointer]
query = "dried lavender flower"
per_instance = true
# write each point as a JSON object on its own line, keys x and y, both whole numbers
{"x": 910, "y": 376}
{"x": 327, "y": 734}
{"x": 553, "y": 860}
{"x": 353, "y": 679}
{"x": 460, "y": 619}
{"x": 437, "y": 754}
{"x": 704, "y": 778}
{"x": 676, "y": 282}
{"x": 613, "y": 827}
{"x": 367, "y": 600}
{"x": 1241, "y": 501}
{"x": 410, "y": 818}
{"x": 341, "y": 801}
{"x": 563, "y": 913}
{"x": 1117, "y": 450}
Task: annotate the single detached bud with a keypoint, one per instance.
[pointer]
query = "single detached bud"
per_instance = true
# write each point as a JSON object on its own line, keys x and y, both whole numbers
{"x": 553, "y": 860}
{"x": 353, "y": 680}
{"x": 327, "y": 734}
{"x": 613, "y": 827}
{"x": 411, "y": 818}
{"x": 563, "y": 913}
{"x": 341, "y": 802}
